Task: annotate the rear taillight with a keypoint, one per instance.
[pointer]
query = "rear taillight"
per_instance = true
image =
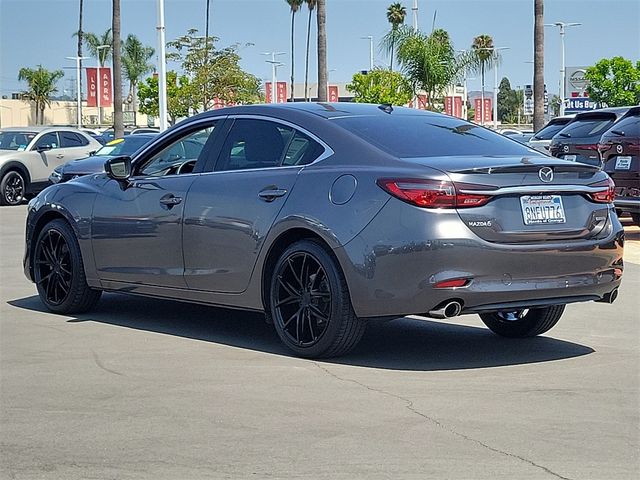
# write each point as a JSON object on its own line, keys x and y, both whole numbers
{"x": 433, "y": 193}
{"x": 607, "y": 194}
{"x": 587, "y": 147}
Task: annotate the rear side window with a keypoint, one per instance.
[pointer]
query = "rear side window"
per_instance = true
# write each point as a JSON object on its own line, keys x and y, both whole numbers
{"x": 587, "y": 127}
{"x": 630, "y": 126}
{"x": 548, "y": 131}
{"x": 72, "y": 139}
{"x": 430, "y": 136}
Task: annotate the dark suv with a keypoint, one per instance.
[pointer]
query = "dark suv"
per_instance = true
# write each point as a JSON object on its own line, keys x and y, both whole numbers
{"x": 620, "y": 153}
{"x": 578, "y": 141}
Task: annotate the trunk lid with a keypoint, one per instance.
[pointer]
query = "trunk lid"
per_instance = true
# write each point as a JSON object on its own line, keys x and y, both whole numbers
{"x": 527, "y": 205}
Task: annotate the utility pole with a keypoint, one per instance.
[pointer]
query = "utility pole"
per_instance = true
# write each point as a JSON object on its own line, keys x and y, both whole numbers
{"x": 162, "y": 69}
{"x": 78, "y": 92}
{"x": 562, "y": 26}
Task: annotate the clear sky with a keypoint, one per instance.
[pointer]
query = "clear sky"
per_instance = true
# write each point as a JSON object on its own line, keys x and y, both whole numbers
{"x": 36, "y": 32}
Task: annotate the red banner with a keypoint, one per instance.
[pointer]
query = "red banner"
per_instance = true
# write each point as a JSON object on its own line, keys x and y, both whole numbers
{"x": 448, "y": 105}
{"x": 333, "y": 94}
{"x": 281, "y": 92}
{"x": 457, "y": 107}
{"x": 99, "y": 85}
{"x": 422, "y": 102}
{"x": 487, "y": 110}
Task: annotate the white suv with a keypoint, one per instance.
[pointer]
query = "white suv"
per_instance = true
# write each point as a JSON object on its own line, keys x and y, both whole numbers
{"x": 28, "y": 155}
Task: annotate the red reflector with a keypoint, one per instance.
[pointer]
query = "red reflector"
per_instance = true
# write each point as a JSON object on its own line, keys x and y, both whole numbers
{"x": 617, "y": 273}
{"x": 607, "y": 194}
{"x": 456, "y": 282}
{"x": 433, "y": 193}
{"x": 587, "y": 147}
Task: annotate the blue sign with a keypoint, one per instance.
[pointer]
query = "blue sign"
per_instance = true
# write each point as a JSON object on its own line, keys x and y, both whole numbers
{"x": 580, "y": 104}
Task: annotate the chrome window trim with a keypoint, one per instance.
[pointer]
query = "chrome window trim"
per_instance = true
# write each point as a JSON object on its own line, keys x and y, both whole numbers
{"x": 532, "y": 189}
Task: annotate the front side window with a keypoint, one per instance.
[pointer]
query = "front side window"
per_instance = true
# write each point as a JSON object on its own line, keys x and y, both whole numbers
{"x": 48, "y": 140}
{"x": 175, "y": 159}
{"x": 72, "y": 139}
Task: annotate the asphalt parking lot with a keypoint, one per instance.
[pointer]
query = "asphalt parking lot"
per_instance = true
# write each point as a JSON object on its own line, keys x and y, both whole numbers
{"x": 144, "y": 388}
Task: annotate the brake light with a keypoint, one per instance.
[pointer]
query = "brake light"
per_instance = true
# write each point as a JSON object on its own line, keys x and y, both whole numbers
{"x": 587, "y": 147}
{"x": 607, "y": 194}
{"x": 433, "y": 193}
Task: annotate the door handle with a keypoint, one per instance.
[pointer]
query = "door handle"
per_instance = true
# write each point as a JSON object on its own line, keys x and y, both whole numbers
{"x": 60, "y": 155}
{"x": 270, "y": 194}
{"x": 170, "y": 200}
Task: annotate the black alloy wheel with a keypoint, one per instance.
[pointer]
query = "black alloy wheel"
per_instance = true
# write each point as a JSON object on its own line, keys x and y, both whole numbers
{"x": 59, "y": 272}
{"x": 310, "y": 305}
{"x": 523, "y": 323}
{"x": 12, "y": 188}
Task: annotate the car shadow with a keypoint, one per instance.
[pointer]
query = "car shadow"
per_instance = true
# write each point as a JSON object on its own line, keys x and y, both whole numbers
{"x": 401, "y": 344}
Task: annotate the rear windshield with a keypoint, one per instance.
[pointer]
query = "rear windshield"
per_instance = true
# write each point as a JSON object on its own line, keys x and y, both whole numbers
{"x": 429, "y": 136}
{"x": 548, "y": 131}
{"x": 630, "y": 126}
{"x": 587, "y": 127}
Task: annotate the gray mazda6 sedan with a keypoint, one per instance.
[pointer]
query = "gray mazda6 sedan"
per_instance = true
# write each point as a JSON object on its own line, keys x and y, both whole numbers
{"x": 329, "y": 216}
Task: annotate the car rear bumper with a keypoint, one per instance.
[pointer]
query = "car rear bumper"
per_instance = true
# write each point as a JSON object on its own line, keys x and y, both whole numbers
{"x": 393, "y": 265}
{"x": 628, "y": 205}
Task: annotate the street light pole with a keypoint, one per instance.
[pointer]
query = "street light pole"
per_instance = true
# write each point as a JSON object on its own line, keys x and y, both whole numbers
{"x": 415, "y": 15}
{"x": 562, "y": 26}
{"x": 162, "y": 67}
{"x": 78, "y": 92}
{"x": 370, "y": 38}
{"x": 274, "y": 80}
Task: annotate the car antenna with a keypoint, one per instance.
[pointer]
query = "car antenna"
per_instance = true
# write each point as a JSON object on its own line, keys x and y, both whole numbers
{"x": 386, "y": 107}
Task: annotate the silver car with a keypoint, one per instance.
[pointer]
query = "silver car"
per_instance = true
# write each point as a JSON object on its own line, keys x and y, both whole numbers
{"x": 542, "y": 138}
{"x": 28, "y": 155}
{"x": 330, "y": 216}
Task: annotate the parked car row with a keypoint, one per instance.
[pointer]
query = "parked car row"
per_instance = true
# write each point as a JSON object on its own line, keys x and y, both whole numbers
{"x": 608, "y": 138}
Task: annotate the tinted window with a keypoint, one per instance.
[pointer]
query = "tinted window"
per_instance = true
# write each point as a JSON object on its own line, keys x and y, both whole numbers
{"x": 548, "y": 131}
{"x": 175, "y": 159}
{"x": 127, "y": 146}
{"x": 254, "y": 144}
{"x": 302, "y": 150}
{"x": 430, "y": 136}
{"x": 72, "y": 139}
{"x": 587, "y": 127}
{"x": 15, "y": 140}
{"x": 48, "y": 140}
{"x": 630, "y": 126}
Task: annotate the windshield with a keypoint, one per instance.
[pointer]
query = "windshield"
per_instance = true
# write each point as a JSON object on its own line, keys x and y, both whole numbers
{"x": 123, "y": 146}
{"x": 429, "y": 136}
{"x": 15, "y": 140}
{"x": 548, "y": 131}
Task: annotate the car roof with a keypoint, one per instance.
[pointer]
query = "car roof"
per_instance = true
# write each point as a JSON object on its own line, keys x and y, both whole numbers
{"x": 38, "y": 129}
{"x": 325, "y": 110}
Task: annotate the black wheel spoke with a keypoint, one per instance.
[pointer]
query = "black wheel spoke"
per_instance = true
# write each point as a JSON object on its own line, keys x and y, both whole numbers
{"x": 313, "y": 335}
{"x": 292, "y": 291}
{"x": 293, "y": 271}
{"x": 286, "y": 324}
{"x": 46, "y": 277}
{"x": 318, "y": 313}
{"x": 286, "y": 301}
{"x": 54, "y": 270}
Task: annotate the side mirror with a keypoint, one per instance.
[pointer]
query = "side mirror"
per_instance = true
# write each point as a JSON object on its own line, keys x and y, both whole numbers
{"x": 92, "y": 153}
{"x": 43, "y": 148}
{"x": 118, "y": 168}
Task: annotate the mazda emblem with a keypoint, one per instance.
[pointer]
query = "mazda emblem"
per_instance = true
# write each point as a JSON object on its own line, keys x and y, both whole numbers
{"x": 545, "y": 174}
{"x": 619, "y": 148}
{"x": 565, "y": 149}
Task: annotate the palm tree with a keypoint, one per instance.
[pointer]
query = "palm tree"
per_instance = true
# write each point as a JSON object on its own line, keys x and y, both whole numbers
{"x": 311, "y": 5}
{"x": 295, "y": 6}
{"x": 485, "y": 56}
{"x": 42, "y": 84}
{"x": 396, "y": 14}
{"x": 99, "y": 46}
{"x": 323, "y": 86}
{"x": 538, "y": 65}
{"x": 118, "y": 125}
{"x": 135, "y": 61}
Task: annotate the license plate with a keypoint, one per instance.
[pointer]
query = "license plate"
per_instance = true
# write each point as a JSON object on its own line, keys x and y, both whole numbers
{"x": 570, "y": 158}
{"x": 623, "y": 163}
{"x": 542, "y": 209}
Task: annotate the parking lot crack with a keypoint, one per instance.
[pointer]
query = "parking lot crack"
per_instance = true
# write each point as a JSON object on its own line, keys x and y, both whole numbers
{"x": 99, "y": 363}
{"x": 409, "y": 405}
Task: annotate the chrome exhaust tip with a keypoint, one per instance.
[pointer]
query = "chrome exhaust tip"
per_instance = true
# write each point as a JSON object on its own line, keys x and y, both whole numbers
{"x": 447, "y": 310}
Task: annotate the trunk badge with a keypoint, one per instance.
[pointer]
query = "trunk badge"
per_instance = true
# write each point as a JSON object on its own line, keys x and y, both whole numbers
{"x": 545, "y": 174}
{"x": 565, "y": 148}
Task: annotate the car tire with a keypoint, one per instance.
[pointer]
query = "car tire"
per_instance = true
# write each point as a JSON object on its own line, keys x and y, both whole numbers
{"x": 523, "y": 323}
{"x": 13, "y": 187}
{"x": 59, "y": 271}
{"x": 310, "y": 304}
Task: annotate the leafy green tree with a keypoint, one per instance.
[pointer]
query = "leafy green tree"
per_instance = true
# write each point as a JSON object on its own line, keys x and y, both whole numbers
{"x": 381, "y": 86}
{"x": 429, "y": 62}
{"x": 213, "y": 73}
{"x": 294, "y": 5}
{"x": 614, "y": 82}
{"x": 179, "y": 96}
{"x": 311, "y": 5}
{"x": 396, "y": 13}
{"x": 135, "y": 63}
{"x": 42, "y": 84}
